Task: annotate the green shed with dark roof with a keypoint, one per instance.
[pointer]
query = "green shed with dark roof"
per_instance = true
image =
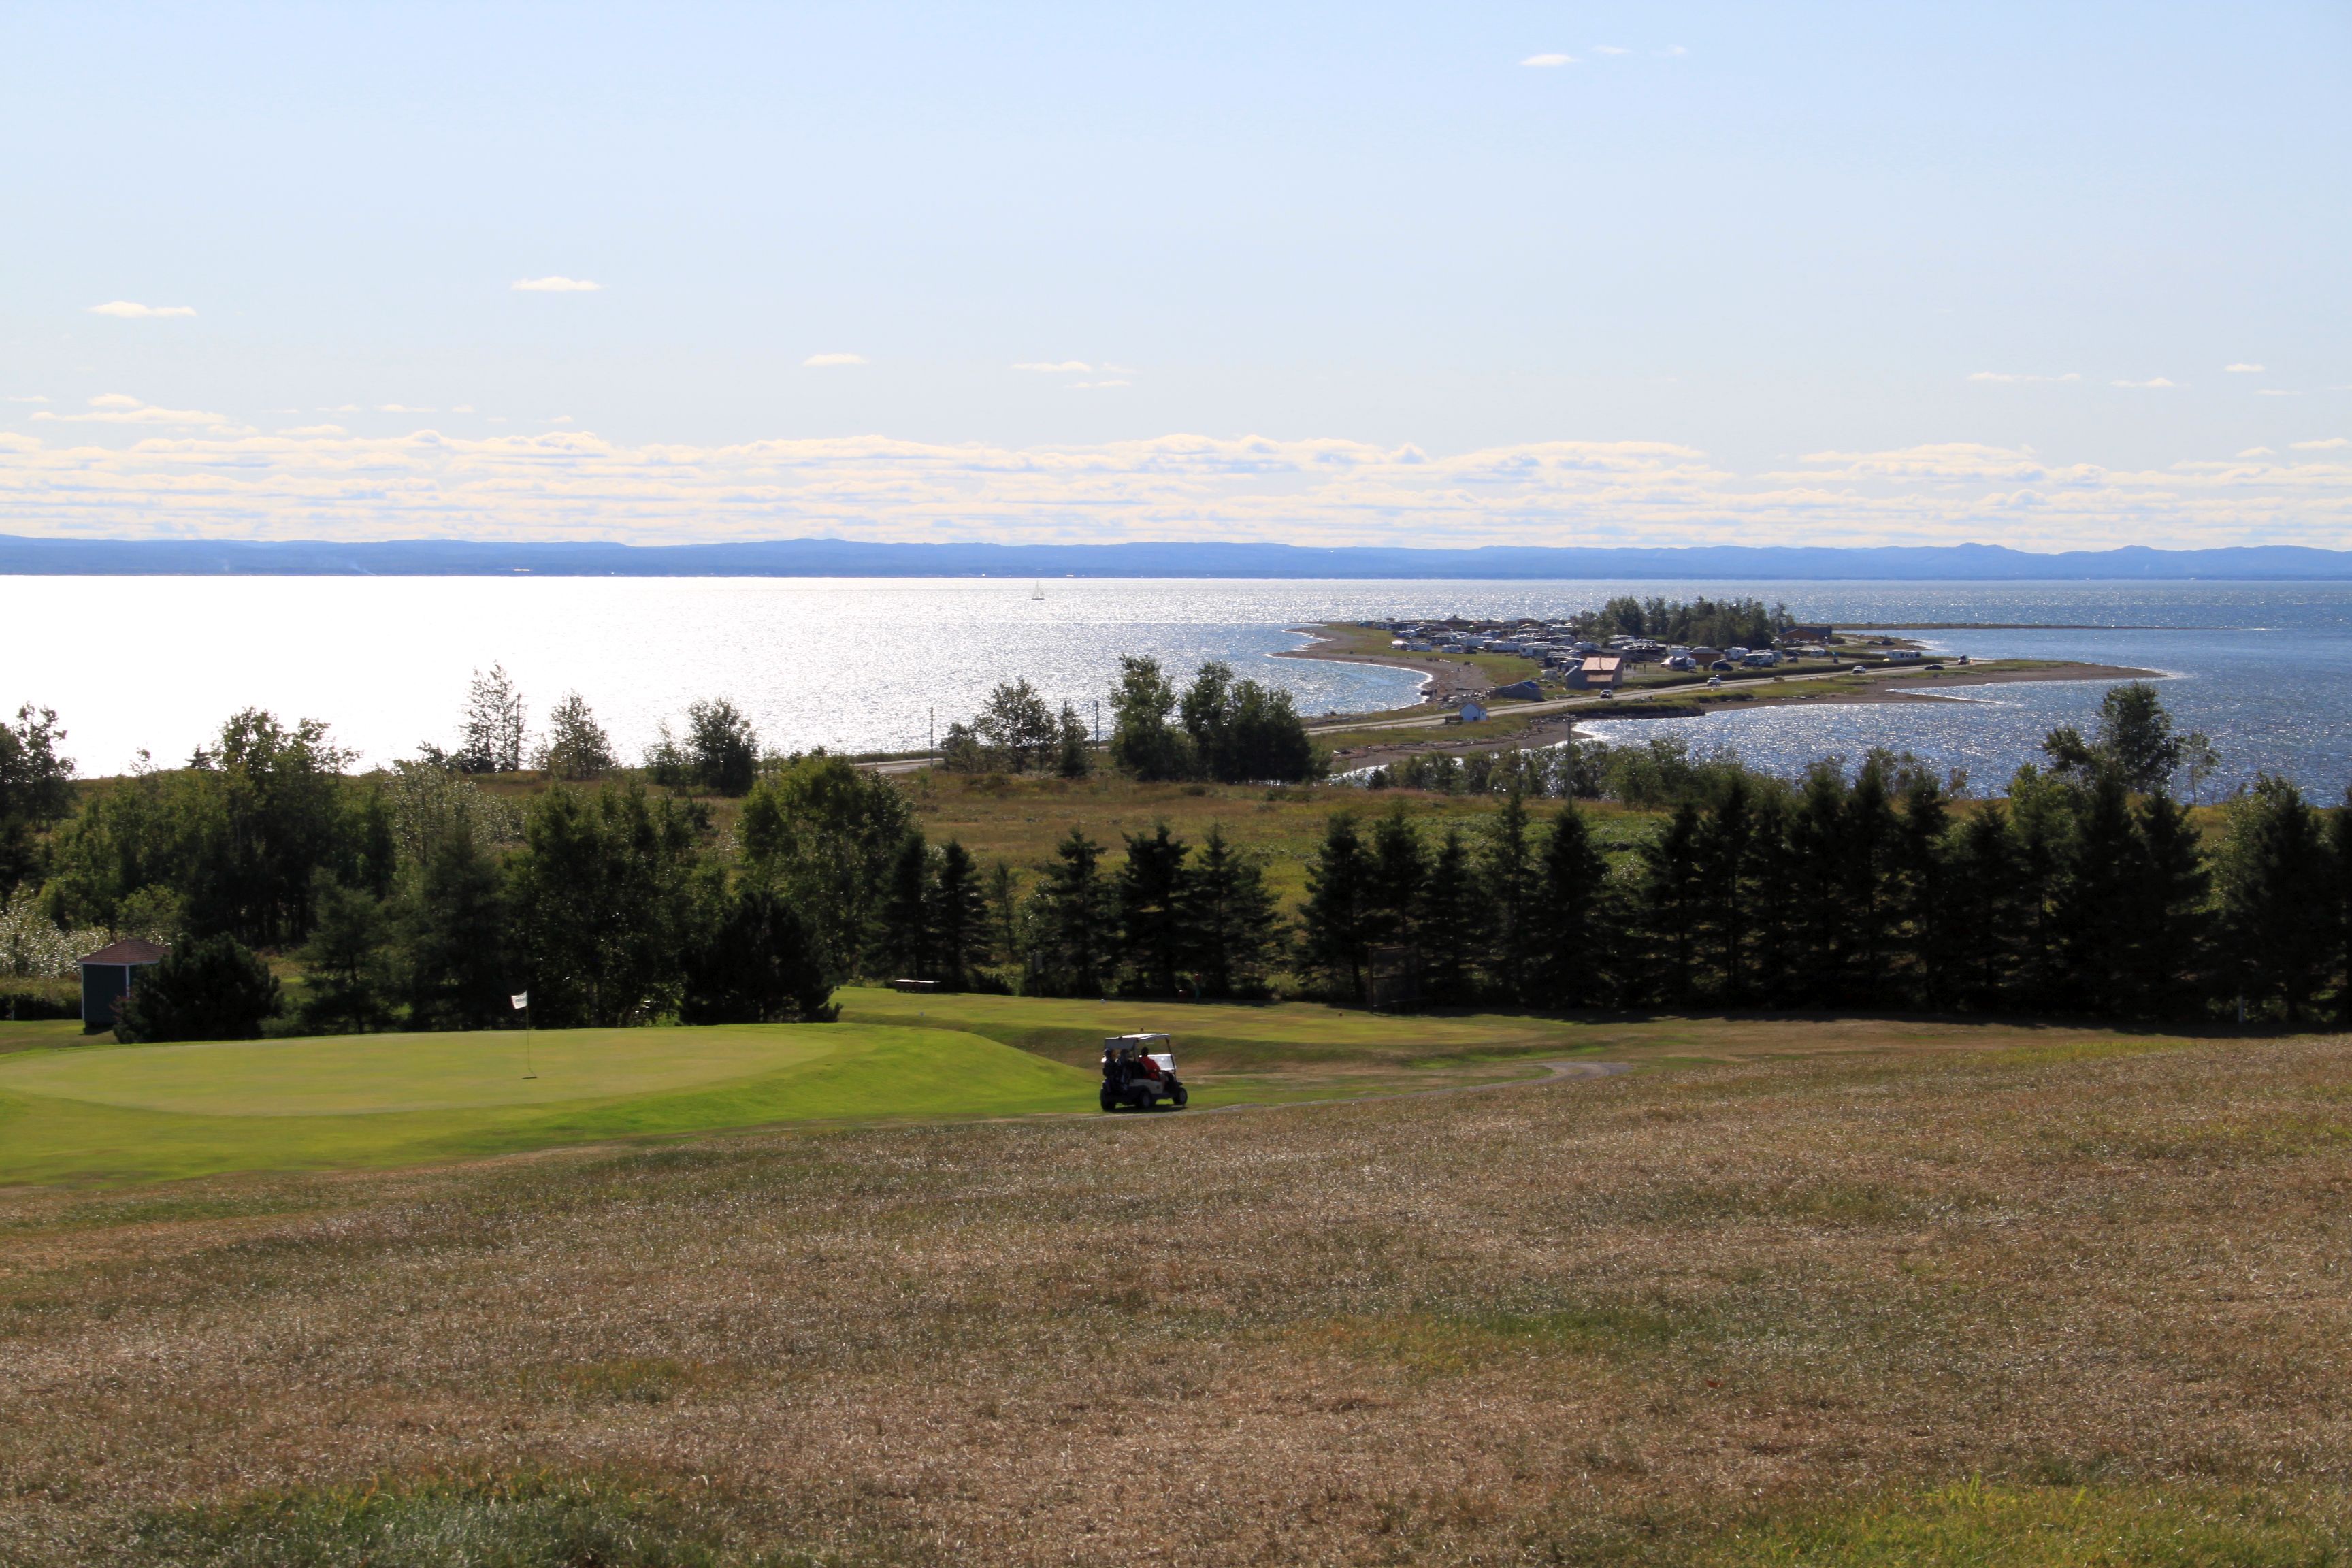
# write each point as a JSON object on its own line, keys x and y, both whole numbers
{"x": 108, "y": 975}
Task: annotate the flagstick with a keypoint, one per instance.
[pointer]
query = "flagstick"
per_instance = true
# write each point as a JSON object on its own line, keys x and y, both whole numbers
{"x": 527, "y": 1071}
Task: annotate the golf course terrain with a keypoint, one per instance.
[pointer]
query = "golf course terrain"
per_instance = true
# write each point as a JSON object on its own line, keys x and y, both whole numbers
{"x": 85, "y": 1109}
{"x": 125, "y": 1113}
{"x": 1841, "y": 1291}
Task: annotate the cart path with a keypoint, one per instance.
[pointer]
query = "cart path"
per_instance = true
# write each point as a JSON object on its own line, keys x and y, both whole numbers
{"x": 1556, "y": 1071}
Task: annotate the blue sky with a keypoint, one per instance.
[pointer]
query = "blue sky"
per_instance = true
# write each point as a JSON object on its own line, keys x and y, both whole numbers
{"x": 1799, "y": 273}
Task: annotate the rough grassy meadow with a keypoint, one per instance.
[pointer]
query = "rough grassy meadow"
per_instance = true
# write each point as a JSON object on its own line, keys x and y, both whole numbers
{"x": 2085, "y": 1303}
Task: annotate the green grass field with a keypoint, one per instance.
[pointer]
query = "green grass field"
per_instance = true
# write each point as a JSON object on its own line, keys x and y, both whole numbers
{"x": 109, "y": 1113}
{"x": 79, "y": 1108}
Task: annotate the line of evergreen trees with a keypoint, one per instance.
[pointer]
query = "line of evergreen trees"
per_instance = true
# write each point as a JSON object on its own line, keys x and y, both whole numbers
{"x": 1883, "y": 889}
{"x": 1164, "y": 921}
{"x": 423, "y": 898}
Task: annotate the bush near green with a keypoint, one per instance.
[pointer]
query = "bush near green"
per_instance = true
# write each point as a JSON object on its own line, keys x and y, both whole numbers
{"x": 212, "y": 988}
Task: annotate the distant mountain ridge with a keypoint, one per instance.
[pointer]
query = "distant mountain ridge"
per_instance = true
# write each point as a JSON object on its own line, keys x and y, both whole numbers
{"x": 22, "y": 556}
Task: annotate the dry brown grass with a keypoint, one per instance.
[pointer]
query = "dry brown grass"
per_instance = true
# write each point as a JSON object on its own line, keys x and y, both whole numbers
{"x": 1599, "y": 1319}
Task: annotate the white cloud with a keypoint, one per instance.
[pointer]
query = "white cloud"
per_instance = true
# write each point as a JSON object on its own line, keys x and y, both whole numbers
{"x": 2258, "y": 452}
{"x": 400, "y": 408}
{"x": 2001, "y": 375}
{"x": 1087, "y": 384}
{"x": 315, "y": 430}
{"x": 2243, "y": 369}
{"x": 344, "y": 408}
{"x": 1673, "y": 51}
{"x": 1077, "y": 365}
{"x": 819, "y": 361}
{"x": 122, "y": 408}
{"x": 36, "y": 398}
{"x": 2275, "y": 392}
{"x": 463, "y": 408}
{"x": 2333, "y": 444}
{"x": 574, "y": 484}
{"x": 1609, "y": 49}
{"x": 131, "y": 310}
{"x": 2158, "y": 381}
{"x": 556, "y": 284}
{"x": 1548, "y": 60}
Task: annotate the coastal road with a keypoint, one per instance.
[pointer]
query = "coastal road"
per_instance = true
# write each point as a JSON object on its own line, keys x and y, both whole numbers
{"x": 1913, "y": 679}
{"x": 1595, "y": 699}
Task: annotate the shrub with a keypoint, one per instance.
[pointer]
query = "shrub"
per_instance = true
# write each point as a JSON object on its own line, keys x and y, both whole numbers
{"x": 215, "y": 989}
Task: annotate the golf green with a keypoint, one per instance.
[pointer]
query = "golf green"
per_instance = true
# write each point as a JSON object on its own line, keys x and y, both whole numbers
{"x": 129, "y": 1113}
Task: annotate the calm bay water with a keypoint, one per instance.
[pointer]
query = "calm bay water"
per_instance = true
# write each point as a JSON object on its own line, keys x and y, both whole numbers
{"x": 861, "y": 664}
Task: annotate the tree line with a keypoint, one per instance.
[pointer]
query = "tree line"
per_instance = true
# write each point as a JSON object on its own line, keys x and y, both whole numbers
{"x": 1218, "y": 728}
{"x": 425, "y": 896}
{"x": 1717, "y": 622}
{"x": 2085, "y": 889}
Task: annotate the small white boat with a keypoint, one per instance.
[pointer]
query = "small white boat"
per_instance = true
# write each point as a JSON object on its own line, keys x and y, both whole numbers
{"x": 1037, "y": 590}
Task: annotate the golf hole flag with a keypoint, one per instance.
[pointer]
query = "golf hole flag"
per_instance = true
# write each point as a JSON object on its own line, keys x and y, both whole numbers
{"x": 521, "y": 999}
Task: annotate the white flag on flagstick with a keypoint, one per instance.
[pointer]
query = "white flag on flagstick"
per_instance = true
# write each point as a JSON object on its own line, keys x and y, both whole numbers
{"x": 521, "y": 999}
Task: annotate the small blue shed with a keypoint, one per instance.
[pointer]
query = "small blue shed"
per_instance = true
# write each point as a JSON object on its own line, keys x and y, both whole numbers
{"x": 107, "y": 977}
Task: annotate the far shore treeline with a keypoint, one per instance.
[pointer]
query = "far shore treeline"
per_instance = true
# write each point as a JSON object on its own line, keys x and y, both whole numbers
{"x": 721, "y": 882}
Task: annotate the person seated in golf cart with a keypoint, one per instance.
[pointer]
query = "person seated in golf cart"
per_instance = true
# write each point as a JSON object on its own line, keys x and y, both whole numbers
{"x": 1135, "y": 1075}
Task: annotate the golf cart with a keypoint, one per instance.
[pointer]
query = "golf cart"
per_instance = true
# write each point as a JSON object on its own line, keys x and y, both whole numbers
{"x": 1138, "y": 1072}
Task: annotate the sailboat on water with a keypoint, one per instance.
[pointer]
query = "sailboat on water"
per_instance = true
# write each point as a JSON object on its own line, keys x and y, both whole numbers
{"x": 1037, "y": 590}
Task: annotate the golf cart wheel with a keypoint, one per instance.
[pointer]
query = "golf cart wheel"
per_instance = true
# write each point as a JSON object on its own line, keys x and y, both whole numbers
{"x": 1109, "y": 1101}
{"x": 1182, "y": 1096}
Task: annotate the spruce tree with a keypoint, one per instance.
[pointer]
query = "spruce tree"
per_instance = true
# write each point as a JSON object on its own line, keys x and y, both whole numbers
{"x": 1983, "y": 911}
{"x": 2095, "y": 915}
{"x": 957, "y": 912}
{"x": 2170, "y": 913}
{"x": 1672, "y": 903}
{"x": 1150, "y": 892}
{"x": 1817, "y": 888}
{"x": 1400, "y": 864}
{"x": 2279, "y": 899}
{"x": 1866, "y": 853}
{"x": 1232, "y": 929}
{"x": 1569, "y": 920}
{"x": 2339, "y": 839}
{"x": 1783, "y": 924}
{"x": 1452, "y": 924}
{"x": 1507, "y": 882}
{"x": 1724, "y": 848}
{"x": 1335, "y": 925}
{"x": 1074, "y": 922}
{"x": 904, "y": 942}
{"x": 2041, "y": 818}
{"x": 1920, "y": 897}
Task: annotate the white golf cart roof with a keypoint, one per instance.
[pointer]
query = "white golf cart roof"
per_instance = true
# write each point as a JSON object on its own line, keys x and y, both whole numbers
{"x": 1136, "y": 1042}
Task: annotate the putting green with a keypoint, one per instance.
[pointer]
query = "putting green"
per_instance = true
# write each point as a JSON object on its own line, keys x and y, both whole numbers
{"x": 366, "y": 1073}
{"x": 129, "y": 1113}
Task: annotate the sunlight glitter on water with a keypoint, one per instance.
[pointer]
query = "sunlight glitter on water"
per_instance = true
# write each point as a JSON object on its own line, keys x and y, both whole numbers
{"x": 862, "y": 663}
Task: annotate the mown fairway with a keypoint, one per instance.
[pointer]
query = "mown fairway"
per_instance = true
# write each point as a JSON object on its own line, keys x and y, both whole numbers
{"x": 1828, "y": 1292}
{"x": 128, "y": 1113}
